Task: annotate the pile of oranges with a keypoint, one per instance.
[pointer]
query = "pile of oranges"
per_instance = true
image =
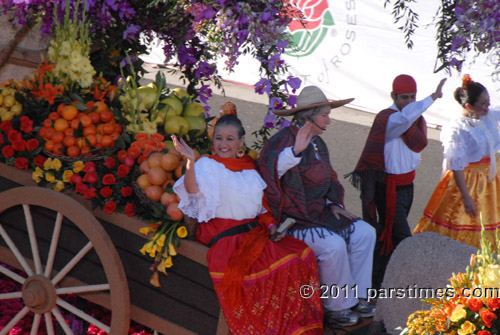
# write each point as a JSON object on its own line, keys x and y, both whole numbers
{"x": 158, "y": 173}
{"x": 71, "y": 132}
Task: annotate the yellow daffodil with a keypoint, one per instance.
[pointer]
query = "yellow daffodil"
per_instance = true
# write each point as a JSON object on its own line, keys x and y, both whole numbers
{"x": 47, "y": 165}
{"x": 56, "y": 164}
{"x": 467, "y": 328}
{"x": 50, "y": 178}
{"x": 78, "y": 166}
{"x": 59, "y": 186}
{"x": 67, "y": 175}
{"x": 458, "y": 314}
{"x": 155, "y": 280}
{"x": 182, "y": 232}
{"x": 37, "y": 175}
{"x": 171, "y": 250}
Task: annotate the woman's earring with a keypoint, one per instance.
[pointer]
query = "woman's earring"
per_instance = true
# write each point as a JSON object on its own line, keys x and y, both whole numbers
{"x": 241, "y": 151}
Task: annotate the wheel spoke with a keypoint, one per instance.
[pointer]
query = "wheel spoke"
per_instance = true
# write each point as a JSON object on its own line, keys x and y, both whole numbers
{"x": 81, "y": 289}
{"x": 14, "y": 320}
{"x": 36, "y": 324}
{"x": 11, "y": 295}
{"x": 53, "y": 244}
{"x": 15, "y": 251}
{"x": 48, "y": 324}
{"x": 72, "y": 263}
{"x": 62, "y": 321}
{"x": 11, "y": 274}
{"x": 82, "y": 315}
{"x": 32, "y": 236}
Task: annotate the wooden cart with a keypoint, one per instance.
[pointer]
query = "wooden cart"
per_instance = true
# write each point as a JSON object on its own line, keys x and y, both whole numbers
{"x": 65, "y": 247}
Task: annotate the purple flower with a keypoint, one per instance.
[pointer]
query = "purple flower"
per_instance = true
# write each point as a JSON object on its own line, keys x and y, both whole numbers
{"x": 205, "y": 92}
{"x": 284, "y": 124}
{"x": 269, "y": 120}
{"x": 132, "y": 32}
{"x": 294, "y": 82}
{"x": 263, "y": 86}
{"x": 276, "y": 103}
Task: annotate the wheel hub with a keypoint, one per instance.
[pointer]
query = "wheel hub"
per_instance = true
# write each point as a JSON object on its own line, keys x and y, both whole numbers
{"x": 39, "y": 295}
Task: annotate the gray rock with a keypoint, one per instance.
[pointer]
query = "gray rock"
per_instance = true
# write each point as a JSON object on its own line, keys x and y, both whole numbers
{"x": 419, "y": 268}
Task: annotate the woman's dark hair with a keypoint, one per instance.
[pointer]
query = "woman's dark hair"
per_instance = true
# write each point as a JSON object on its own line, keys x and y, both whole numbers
{"x": 231, "y": 120}
{"x": 469, "y": 92}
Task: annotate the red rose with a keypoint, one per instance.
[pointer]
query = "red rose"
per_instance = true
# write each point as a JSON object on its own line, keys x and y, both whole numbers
{"x": 106, "y": 192}
{"x": 134, "y": 152}
{"x": 39, "y": 160}
{"x": 6, "y": 126}
{"x": 312, "y": 10}
{"x": 483, "y": 332}
{"x": 90, "y": 193}
{"x": 110, "y": 206}
{"x": 130, "y": 209}
{"x": 126, "y": 191}
{"x": 14, "y": 135}
{"x": 493, "y": 303}
{"x": 19, "y": 145}
{"x": 108, "y": 179}
{"x": 75, "y": 179}
{"x": 474, "y": 304}
{"x": 26, "y": 124}
{"x": 488, "y": 317}
{"x": 21, "y": 163}
{"x": 110, "y": 163}
{"x": 32, "y": 144}
{"x": 89, "y": 167}
{"x": 90, "y": 177}
{"x": 81, "y": 188}
{"x": 122, "y": 154}
{"x": 123, "y": 171}
{"x": 7, "y": 151}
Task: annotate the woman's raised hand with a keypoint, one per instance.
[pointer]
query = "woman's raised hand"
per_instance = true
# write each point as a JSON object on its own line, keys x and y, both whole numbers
{"x": 183, "y": 148}
{"x": 304, "y": 136}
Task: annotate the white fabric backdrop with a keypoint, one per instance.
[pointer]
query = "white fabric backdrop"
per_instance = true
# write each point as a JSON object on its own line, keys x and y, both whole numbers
{"x": 363, "y": 51}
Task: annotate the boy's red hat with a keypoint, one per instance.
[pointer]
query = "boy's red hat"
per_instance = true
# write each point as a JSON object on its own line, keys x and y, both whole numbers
{"x": 404, "y": 84}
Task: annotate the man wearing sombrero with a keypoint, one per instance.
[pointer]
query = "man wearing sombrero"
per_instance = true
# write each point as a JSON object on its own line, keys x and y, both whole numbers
{"x": 302, "y": 185}
{"x": 386, "y": 168}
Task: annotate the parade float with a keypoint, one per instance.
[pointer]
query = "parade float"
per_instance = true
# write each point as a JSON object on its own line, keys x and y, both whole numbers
{"x": 88, "y": 219}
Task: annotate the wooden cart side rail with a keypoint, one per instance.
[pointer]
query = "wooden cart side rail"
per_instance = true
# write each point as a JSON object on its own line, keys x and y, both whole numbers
{"x": 189, "y": 249}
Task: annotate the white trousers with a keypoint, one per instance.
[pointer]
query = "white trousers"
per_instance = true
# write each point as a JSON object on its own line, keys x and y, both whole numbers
{"x": 345, "y": 271}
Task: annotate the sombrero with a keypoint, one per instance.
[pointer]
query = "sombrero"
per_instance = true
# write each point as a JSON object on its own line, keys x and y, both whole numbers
{"x": 311, "y": 97}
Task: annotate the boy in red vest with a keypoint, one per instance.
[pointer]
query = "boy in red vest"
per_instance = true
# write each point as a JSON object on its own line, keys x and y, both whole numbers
{"x": 386, "y": 168}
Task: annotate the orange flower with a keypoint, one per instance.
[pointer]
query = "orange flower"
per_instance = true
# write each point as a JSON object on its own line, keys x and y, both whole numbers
{"x": 48, "y": 92}
{"x": 141, "y": 136}
{"x": 157, "y": 137}
{"x": 45, "y": 67}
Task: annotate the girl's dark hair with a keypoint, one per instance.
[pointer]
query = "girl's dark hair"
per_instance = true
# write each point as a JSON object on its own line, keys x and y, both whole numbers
{"x": 469, "y": 92}
{"x": 231, "y": 120}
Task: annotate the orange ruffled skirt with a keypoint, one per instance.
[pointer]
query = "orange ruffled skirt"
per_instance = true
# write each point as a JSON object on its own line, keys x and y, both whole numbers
{"x": 445, "y": 212}
{"x": 272, "y": 302}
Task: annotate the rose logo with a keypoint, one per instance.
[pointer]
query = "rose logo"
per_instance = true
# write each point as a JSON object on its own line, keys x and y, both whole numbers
{"x": 309, "y": 31}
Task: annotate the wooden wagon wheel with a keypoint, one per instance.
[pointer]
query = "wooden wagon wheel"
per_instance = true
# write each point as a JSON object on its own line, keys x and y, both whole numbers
{"x": 41, "y": 289}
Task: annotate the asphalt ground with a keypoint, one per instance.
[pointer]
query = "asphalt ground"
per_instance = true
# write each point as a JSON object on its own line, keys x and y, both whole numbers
{"x": 345, "y": 137}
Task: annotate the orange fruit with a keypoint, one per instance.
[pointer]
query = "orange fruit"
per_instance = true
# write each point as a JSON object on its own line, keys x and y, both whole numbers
{"x": 74, "y": 124}
{"x": 61, "y": 124}
{"x": 69, "y": 112}
{"x": 90, "y": 105}
{"x": 53, "y": 116}
{"x": 175, "y": 152}
{"x": 49, "y": 145}
{"x": 60, "y": 108}
{"x": 143, "y": 181}
{"x": 47, "y": 123}
{"x": 118, "y": 127}
{"x": 85, "y": 120}
{"x": 57, "y": 137}
{"x": 107, "y": 141}
{"x": 157, "y": 176}
{"x": 115, "y": 135}
{"x": 73, "y": 151}
{"x": 81, "y": 142}
{"x": 154, "y": 159}
{"x": 144, "y": 167}
{"x": 42, "y": 132}
{"x": 108, "y": 128}
{"x": 179, "y": 170}
{"x": 90, "y": 130}
{"x": 169, "y": 182}
{"x": 169, "y": 161}
{"x": 58, "y": 148}
{"x": 69, "y": 141}
{"x": 49, "y": 132}
{"x": 153, "y": 192}
{"x": 106, "y": 116}
{"x": 92, "y": 139}
{"x": 69, "y": 131}
{"x": 174, "y": 212}
{"x": 85, "y": 150}
{"x": 100, "y": 107}
{"x": 167, "y": 198}
{"x": 94, "y": 117}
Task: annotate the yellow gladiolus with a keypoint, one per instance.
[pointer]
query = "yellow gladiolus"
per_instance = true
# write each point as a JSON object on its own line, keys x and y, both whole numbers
{"x": 182, "y": 232}
{"x": 59, "y": 186}
{"x": 67, "y": 175}
{"x": 78, "y": 166}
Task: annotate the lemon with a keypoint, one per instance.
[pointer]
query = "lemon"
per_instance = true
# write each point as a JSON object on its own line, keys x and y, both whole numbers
{"x": 6, "y": 115}
{"x": 194, "y": 109}
{"x": 176, "y": 125}
{"x": 9, "y": 101}
{"x": 179, "y": 92}
{"x": 196, "y": 123}
{"x": 172, "y": 103}
{"x": 147, "y": 97}
{"x": 17, "y": 108}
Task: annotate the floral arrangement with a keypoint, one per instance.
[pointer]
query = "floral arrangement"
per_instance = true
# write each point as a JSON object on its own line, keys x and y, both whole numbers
{"x": 473, "y": 305}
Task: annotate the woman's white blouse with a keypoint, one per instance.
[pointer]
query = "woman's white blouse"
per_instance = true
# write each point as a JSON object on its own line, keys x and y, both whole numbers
{"x": 466, "y": 140}
{"x": 222, "y": 193}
